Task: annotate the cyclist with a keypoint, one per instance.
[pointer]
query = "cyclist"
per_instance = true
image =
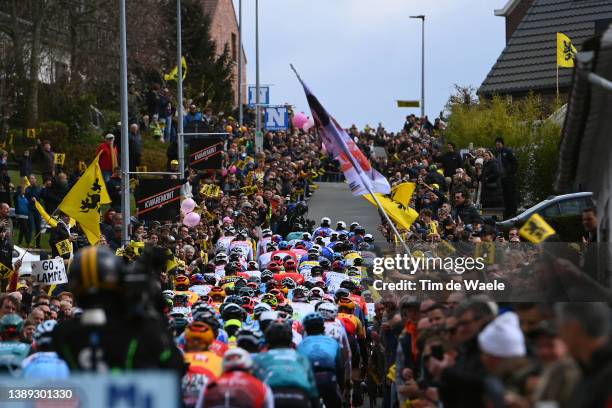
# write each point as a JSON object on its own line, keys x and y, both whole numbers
{"x": 326, "y": 358}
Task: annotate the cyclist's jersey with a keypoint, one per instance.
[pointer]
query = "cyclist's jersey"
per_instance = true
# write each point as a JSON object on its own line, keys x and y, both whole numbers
{"x": 193, "y": 297}
{"x": 284, "y": 253}
{"x": 285, "y": 368}
{"x": 45, "y": 365}
{"x": 261, "y": 245}
{"x": 237, "y": 389}
{"x": 353, "y": 325}
{"x": 301, "y": 309}
{"x": 297, "y": 278}
{"x": 12, "y": 353}
{"x": 200, "y": 290}
{"x": 245, "y": 248}
{"x": 333, "y": 280}
{"x": 223, "y": 244}
{"x": 323, "y": 352}
{"x": 264, "y": 259}
{"x": 300, "y": 253}
{"x": 306, "y": 266}
{"x": 204, "y": 367}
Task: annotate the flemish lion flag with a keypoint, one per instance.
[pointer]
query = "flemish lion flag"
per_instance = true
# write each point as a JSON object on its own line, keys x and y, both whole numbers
{"x": 173, "y": 75}
{"x": 84, "y": 199}
{"x": 403, "y": 217}
{"x": 536, "y": 229}
{"x": 566, "y": 52}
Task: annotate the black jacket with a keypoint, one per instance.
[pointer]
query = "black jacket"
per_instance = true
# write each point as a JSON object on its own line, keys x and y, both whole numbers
{"x": 594, "y": 390}
{"x": 58, "y": 234}
{"x": 492, "y": 194}
{"x": 468, "y": 213}
{"x": 451, "y": 161}
{"x": 507, "y": 159}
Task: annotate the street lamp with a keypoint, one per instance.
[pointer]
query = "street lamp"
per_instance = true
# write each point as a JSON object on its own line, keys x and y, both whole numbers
{"x": 240, "y": 108}
{"x": 422, "y": 18}
{"x": 180, "y": 141}
{"x": 258, "y": 144}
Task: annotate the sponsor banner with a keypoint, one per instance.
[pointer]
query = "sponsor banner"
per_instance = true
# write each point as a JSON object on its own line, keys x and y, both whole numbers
{"x": 158, "y": 199}
{"x": 206, "y": 153}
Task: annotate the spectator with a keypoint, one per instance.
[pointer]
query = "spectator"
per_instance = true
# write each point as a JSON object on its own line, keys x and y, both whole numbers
{"x": 465, "y": 212}
{"x": 61, "y": 233}
{"x": 135, "y": 144}
{"x": 509, "y": 167}
{"x": 108, "y": 156}
{"x": 33, "y": 192}
{"x": 192, "y": 116}
{"x": 24, "y": 162}
{"x": 490, "y": 179}
{"x": 5, "y": 219}
{"x": 8, "y": 304}
{"x": 586, "y": 330}
{"x": 22, "y": 212}
{"x": 113, "y": 185}
{"x": 46, "y": 159}
{"x": 451, "y": 160}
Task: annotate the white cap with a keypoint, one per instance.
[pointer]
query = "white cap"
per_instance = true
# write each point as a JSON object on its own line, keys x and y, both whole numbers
{"x": 479, "y": 160}
{"x": 503, "y": 337}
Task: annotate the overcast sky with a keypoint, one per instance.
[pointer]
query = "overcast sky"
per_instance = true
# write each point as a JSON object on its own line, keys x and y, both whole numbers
{"x": 360, "y": 56}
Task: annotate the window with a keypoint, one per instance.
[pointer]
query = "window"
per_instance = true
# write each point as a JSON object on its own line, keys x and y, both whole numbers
{"x": 550, "y": 211}
{"x": 234, "y": 47}
{"x": 573, "y": 206}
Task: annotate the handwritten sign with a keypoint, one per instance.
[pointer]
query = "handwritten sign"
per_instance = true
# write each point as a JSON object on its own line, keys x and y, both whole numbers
{"x": 49, "y": 272}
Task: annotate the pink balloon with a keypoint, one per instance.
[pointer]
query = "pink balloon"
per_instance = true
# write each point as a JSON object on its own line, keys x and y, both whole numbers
{"x": 299, "y": 119}
{"x": 192, "y": 219}
{"x": 308, "y": 125}
{"x": 224, "y": 172}
{"x": 232, "y": 169}
{"x": 187, "y": 206}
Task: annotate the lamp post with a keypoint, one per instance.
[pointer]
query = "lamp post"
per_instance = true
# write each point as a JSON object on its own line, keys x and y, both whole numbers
{"x": 240, "y": 108}
{"x": 422, "y": 18}
{"x": 180, "y": 141}
{"x": 257, "y": 95}
{"x": 125, "y": 147}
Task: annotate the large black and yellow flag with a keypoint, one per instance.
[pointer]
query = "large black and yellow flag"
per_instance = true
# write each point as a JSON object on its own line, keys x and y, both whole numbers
{"x": 536, "y": 229}
{"x": 566, "y": 52}
{"x": 84, "y": 199}
{"x": 173, "y": 75}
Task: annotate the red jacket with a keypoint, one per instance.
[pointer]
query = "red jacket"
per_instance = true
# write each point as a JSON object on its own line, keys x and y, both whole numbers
{"x": 106, "y": 159}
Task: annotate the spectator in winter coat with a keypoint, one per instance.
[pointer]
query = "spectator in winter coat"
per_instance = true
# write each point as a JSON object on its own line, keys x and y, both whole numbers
{"x": 46, "y": 158}
{"x": 490, "y": 177}
{"x": 108, "y": 156}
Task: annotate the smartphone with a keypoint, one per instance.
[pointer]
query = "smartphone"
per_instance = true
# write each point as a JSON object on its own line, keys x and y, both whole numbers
{"x": 437, "y": 352}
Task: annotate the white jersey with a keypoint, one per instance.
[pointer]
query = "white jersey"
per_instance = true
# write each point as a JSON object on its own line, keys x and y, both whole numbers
{"x": 245, "y": 248}
{"x": 223, "y": 244}
{"x": 261, "y": 245}
{"x": 337, "y": 331}
{"x": 264, "y": 260}
{"x": 301, "y": 309}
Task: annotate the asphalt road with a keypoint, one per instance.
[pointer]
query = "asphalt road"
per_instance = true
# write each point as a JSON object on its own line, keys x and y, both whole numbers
{"x": 335, "y": 200}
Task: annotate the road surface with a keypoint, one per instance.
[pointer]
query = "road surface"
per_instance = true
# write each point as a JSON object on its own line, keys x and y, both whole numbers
{"x": 335, "y": 200}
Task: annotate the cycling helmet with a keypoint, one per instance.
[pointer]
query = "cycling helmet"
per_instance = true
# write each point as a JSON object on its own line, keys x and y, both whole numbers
{"x": 181, "y": 300}
{"x": 252, "y": 266}
{"x": 217, "y": 294}
{"x": 10, "y": 326}
{"x": 306, "y": 236}
{"x": 237, "y": 359}
{"x": 266, "y": 232}
{"x": 210, "y": 279}
{"x": 232, "y": 326}
{"x": 314, "y": 323}
{"x": 347, "y": 304}
{"x": 289, "y": 283}
{"x": 248, "y": 304}
{"x": 286, "y": 309}
{"x": 96, "y": 276}
{"x": 359, "y": 230}
{"x": 43, "y": 334}
{"x": 283, "y": 245}
{"x": 358, "y": 261}
{"x": 266, "y": 275}
{"x": 246, "y": 291}
{"x": 271, "y": 247}
{"x": 273, "y": 267}
{"x": 341, "y": 225}
{"x": 328, "y": 310}
{"x": 290, "y": 265}
{"x": 232, "y": 311}
{"x": 353, "y": 225}
{"x": 197, "y": 279}
{"x": 181, "y": 282}
{"x": 277, "y": 292}
{"x": 209, "y": 319}
{"x": 168, "y": 294}
{"x": 237, "y": 299}
{"x": 300, "y": 294}
{"x": 368, "y": 238}
{"x": 249, "y": 340}
{"x": 279, "y": 334}
{"x": 300, "y": 245}
{"x": 348, "y": 284}
{"x": 316, "y": 293}
{"x": 220, "y": 258}
{"x": 325, "y": 222}
{"x": 199, "y": 334}
{"x": 270, "y": 299}
{"x": 260, "y": 308}
{"x": 204, "y": 308}
{"x": 277, "y": 238}
{"x": 338, "y": 266}
{"x": 240, "y": 283}
{"x": 341, "y": 293}
{"x": 324, "y": 263}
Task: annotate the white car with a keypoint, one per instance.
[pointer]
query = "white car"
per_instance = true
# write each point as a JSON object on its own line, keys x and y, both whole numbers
{"x": 28, "y": 258}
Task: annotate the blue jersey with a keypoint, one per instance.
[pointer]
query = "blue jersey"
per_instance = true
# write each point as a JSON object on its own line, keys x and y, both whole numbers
{"x": 285, "y": 368}
{"x": 323, "y": 352}
{"x": 322, "y": 231}
{"x": 45, "y": 365}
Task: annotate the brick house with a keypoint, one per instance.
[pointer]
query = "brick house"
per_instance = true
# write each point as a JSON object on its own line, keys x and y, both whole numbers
{"x": 528, "y": 61}
{"x": 224, "y": 30}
